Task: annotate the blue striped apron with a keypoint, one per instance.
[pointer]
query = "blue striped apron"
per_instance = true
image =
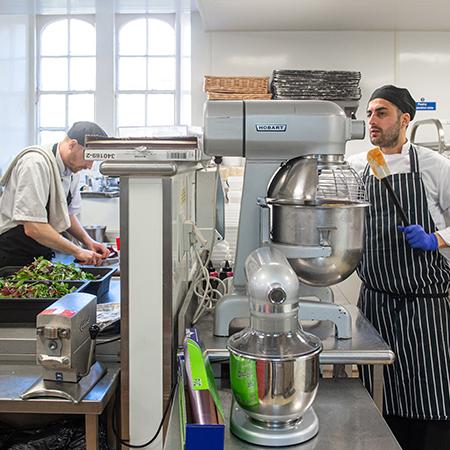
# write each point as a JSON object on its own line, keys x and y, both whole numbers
{"x": 405, "y": 296}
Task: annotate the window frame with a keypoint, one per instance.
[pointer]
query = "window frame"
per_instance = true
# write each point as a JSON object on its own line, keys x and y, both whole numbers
{"x": 107, "y": 23}
{"x": 42, "y": 21}
{"x": 172, "y": 19}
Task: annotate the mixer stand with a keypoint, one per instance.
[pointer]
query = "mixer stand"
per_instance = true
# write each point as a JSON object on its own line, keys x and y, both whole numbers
{"x": 236, "y": 305}
{"x": 67, "y": 390}
{"x": 251, "y": 431}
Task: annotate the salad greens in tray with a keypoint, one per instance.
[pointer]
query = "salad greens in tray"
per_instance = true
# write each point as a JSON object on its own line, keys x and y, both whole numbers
{"x": 42, "y": 279}
{"x": 34, "y": 289}
{"x": 42, "y": 269}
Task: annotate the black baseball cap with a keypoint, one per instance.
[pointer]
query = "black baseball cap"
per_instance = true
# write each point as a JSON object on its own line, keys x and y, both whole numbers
{"x": 79, "y": 131}
{"x": 400, "y": 97}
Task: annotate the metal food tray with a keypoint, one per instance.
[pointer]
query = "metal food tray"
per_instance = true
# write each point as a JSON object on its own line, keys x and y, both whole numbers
{"x": 98, "y": 287}
{"x": 25, "y": 310}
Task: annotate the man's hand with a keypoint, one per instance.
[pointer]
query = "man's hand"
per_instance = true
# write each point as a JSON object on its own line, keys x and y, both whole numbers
{"x": 418, "y": 238}
{"x": 98, "y": 248}
{"x": 88, "y": 257}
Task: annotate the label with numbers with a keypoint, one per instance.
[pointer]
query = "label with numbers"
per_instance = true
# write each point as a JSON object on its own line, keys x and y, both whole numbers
{"x": 139, "y": 154}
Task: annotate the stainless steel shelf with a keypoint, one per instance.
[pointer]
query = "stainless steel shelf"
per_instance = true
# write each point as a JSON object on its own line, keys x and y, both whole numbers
{"x": 348, "y": 420}
{"x": 100, "y": 194}
{"x": 365, "y": 347}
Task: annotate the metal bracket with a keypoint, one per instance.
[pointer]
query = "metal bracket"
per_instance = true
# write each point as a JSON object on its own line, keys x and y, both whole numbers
{"x": 234, "y": 306}
{"x": 264, "y": 221}
{"x": 299, "y": 251}
{"x": 311, "y": 310}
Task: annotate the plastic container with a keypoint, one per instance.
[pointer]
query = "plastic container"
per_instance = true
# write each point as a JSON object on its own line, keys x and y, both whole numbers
{"x": 99, "y": 286}
{"x": 25, "y": 310}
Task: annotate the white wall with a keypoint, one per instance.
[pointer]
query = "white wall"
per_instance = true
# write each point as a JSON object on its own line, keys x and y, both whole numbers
{"x": 419, "y": 61}
{"x": 16, "y": 75}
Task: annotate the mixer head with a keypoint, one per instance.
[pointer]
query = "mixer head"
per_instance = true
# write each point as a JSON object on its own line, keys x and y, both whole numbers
{"x": 315, "y": 180}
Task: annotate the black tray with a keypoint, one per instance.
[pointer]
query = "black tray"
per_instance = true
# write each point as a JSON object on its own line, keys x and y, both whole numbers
{"x": 25, "y": 310}
{"x": 98, "y": 287}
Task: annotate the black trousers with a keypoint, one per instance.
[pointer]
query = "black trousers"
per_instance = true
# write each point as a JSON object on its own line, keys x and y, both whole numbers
{"x": 416, "y": 434}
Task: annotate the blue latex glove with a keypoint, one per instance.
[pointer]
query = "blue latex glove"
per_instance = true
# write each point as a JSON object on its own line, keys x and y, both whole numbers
{"x": 417, "y": 237}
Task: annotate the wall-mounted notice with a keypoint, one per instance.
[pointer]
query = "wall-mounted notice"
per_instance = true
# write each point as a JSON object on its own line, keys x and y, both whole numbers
{"x": 425, "y": 106}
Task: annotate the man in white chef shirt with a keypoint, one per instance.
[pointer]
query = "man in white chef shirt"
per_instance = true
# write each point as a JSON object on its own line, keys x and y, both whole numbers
{"x": 405, "y": 277}
{"x": 41, "y": 199}
{"x": 435, "y": 171}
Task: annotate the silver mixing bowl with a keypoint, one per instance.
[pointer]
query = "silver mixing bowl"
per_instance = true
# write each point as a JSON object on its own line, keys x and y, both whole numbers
{"x": 336, "y": 224}
{"x": 274, "y": 392}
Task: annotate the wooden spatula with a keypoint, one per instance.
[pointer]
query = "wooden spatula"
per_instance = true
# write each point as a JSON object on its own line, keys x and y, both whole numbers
{"x": 377, "y": 163}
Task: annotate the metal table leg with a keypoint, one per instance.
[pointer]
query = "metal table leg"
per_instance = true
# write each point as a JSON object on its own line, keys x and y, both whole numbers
{"x": 91, "y": 425}
{"x": 378, "y": 386}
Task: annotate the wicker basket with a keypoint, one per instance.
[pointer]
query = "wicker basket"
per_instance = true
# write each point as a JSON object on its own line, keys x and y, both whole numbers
{"x": 240, "y": 96}
{"x": 251, "y": 85}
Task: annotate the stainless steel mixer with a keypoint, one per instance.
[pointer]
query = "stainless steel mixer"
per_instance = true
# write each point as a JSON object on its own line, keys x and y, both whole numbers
{"x": 318, "y": 202}
{"x": 301, "y": 200}
{"x": 299, "y": 196}
{"x": 274, "y": 364}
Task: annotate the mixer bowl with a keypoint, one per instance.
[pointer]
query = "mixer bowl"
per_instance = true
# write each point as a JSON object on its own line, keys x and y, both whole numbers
{"x": 338, "y": 224}
{"x": 274, "y": 392}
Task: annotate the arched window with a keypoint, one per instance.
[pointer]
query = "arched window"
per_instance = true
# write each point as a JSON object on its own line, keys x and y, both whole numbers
{"x": 65, "y": 75}
{"x": 146, "y": 73}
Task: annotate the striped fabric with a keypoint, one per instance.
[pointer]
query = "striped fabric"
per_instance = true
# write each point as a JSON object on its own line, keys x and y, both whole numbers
{"x": 405, "y": 296}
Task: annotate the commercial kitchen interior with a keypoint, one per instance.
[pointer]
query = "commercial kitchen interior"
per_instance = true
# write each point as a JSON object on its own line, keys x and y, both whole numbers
{"x": 137, "y": 68}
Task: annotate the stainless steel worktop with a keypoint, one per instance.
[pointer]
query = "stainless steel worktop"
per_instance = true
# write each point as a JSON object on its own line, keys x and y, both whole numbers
{"x": 15, "y": 379}
{"x": 100, "y": 194}
{"x": 348, "y": 420}
{"x": 365, "y": 347}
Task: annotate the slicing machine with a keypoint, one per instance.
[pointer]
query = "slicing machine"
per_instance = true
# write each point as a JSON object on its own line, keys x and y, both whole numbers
{"x": 302, "y": 209}
{"x": 65, "y": 349}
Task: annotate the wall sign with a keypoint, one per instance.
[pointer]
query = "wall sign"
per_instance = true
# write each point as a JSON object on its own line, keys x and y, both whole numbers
{"x": 425, "y": 106}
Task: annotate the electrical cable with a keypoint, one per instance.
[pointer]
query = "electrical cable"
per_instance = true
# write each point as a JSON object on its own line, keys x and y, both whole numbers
{"x": 125, "y": 443}
{"x": 209, "y": 290}
{"x": 108, "y": 341}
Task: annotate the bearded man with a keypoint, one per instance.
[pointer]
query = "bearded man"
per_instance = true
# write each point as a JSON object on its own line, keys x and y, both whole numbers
{"x": 405, "y": 275}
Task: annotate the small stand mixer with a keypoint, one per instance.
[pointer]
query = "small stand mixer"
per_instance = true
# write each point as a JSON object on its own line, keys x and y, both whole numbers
{"x": 304, "y": 205}
{"x": 274, "y": 364}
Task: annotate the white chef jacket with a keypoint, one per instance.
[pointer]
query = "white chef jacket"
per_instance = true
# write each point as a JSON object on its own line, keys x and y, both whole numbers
{"x": 435, "y": 171}
{"x": 25, "y": 197}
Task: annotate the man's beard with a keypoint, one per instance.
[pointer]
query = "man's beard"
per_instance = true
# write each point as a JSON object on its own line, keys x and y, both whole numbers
{"x": 387, "y": 138}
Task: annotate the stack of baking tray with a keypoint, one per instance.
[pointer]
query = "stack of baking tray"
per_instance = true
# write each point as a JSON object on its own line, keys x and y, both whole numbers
{"x": 316, "y": 85}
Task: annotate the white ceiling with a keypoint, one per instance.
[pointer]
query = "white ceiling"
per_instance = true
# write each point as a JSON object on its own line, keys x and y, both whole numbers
{"x": 330, "y": 15}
